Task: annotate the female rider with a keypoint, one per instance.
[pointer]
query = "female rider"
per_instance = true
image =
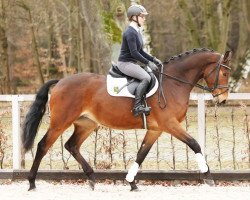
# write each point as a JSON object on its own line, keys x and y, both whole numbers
{"x": 132, "y": 56}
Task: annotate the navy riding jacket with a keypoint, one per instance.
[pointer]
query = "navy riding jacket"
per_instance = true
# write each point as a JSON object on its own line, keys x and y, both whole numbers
{"x": 132, "y": 47}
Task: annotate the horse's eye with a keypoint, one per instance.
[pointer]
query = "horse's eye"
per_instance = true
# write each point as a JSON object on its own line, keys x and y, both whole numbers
{"x": 225, "y": 74}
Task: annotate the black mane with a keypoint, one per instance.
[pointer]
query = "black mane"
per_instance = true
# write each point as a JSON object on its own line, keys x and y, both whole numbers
{"x": 191, "y": 52}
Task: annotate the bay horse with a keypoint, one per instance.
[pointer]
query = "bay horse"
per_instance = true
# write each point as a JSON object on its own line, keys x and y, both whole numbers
{"x": 83, "y": 100}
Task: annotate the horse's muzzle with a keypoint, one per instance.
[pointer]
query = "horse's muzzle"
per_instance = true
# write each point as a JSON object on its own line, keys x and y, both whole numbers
{"x": 221, "y": 99}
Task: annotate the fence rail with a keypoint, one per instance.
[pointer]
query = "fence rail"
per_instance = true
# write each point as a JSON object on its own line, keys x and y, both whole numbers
{"x": 16, "y": 99}
{"x": 153, "y": 175}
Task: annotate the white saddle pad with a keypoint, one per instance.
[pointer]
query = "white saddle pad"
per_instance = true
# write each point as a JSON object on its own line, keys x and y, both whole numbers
{"x": 115, "y": 84}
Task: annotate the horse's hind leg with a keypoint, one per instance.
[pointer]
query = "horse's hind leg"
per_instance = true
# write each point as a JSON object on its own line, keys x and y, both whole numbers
{"x": 177, "y": 131}
{"x": 147, "y": 143}
{"x": 83, "y": 128}
{"x": 43, "y": 146}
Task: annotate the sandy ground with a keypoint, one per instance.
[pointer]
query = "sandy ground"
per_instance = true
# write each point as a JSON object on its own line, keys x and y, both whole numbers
{"x": 69, "y": 191}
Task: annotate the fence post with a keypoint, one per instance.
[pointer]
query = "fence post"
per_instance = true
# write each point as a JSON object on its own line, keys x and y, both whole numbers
{"x": 16, "y": 133}
{"x": 201, "y": 122}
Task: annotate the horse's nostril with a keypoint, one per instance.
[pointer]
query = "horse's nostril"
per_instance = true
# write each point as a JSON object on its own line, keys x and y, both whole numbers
{"x": 223, "y": 102}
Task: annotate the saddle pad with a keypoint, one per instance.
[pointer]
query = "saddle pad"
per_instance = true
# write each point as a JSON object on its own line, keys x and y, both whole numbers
{"x": 115, "y": 84}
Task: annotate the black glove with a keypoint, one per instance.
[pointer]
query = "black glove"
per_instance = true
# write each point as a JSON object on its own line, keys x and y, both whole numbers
{"x": 157, "y": 61}
{"x": 152, "y": 66}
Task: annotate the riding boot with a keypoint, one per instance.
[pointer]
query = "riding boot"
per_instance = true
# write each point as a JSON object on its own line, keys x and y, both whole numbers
{"x": 139, "y": 108}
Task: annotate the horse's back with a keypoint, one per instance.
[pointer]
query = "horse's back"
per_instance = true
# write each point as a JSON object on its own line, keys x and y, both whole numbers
{"x": 75, "y": 91}
{"x": 78, "y": 80}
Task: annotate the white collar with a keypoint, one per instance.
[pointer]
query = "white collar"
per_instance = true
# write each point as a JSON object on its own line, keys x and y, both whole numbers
{"x": 135, "y": 26}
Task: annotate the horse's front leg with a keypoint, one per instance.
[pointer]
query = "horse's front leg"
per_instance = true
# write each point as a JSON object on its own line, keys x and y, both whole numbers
{"x": 148, "y": 141}
{"x": 177, "y": 131}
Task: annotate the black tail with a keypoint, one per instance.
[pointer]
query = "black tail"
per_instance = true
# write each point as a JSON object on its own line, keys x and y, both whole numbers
{"x": 35, "y": 114}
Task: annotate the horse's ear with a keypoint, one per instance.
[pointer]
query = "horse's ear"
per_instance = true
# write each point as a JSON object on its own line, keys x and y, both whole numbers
{"x": 227, "y": 56}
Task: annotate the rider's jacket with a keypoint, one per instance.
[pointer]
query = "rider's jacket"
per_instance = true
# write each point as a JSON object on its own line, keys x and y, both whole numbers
{"x": 132, "y": 47}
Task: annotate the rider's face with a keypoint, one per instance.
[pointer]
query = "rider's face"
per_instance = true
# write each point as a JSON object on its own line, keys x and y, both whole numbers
{"x": 141, "y": 19}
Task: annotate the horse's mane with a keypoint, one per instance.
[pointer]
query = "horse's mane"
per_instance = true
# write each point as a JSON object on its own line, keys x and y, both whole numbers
{"x": 187, "y": 53}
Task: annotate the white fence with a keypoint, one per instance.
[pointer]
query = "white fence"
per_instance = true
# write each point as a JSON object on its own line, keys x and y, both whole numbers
{"x": 16, "y": 130}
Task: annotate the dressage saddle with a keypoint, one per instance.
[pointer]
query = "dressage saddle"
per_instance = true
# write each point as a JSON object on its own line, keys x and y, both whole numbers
{"x": 132, "y": 82}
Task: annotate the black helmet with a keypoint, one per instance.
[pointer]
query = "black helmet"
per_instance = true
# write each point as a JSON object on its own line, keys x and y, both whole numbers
{"x": 136, "y": 10}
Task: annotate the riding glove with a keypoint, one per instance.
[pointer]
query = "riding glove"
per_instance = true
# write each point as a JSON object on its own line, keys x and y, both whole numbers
{"x": 156, "y": 61}
{"x": 152, "y": 66}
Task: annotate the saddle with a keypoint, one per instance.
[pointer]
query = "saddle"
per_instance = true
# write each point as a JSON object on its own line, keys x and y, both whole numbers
{"x": 119, "y": 84}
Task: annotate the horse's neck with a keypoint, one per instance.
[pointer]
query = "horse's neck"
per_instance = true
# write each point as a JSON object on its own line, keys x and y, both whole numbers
{"x": 187, "y": 71}
{"x": 190, "y": 69}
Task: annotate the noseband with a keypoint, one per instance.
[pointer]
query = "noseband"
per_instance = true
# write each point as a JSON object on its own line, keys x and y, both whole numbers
{"x": 215, "y": 86}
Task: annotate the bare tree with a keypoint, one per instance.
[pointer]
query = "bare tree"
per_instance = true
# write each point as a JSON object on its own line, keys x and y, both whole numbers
{"x": 35, "y": 49}
{"x": 100, "y": 47}
{"x": 72, "y": 34}
{"x": 5, "y": 72}
{"x": 57, "y": 24}
{"x": 180, "y": 25}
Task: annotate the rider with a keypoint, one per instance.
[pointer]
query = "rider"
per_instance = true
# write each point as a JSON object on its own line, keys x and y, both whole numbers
{"x": 132, "y": 56}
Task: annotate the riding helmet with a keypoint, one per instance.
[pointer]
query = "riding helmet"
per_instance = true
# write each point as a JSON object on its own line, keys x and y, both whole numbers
{"x": 136, "y": 10}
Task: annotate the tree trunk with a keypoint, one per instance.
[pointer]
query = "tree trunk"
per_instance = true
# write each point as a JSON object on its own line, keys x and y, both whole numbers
{"x": 226, "y": 5}
{"x": 246, "y": 14}
{"x": 59, "y": 40}
{"x": 190, "y": 23}
{"x": 239, "y": 41}
{"x": 80, "y": 55}
{"x": 49, "y": 24}
{"x": 35, "y": 48}
{"x": 72, "y": 37}
{"x": 100, "y": 48}
{"x": 4, "y": 50}
{"x": 87, "y": 46}
{"x": 234, "y": 34}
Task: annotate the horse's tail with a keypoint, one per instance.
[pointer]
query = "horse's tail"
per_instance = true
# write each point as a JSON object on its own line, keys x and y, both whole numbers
{"x": 35, "y": 114}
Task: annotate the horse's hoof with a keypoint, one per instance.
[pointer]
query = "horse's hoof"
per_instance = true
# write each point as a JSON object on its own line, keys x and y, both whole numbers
{"x": 32, "y": 184}
{"x": 92, "y": 184}
{"x": 209, "y": 182}
{"x": 134, "y": 188}
{"x": 32, "y": 187}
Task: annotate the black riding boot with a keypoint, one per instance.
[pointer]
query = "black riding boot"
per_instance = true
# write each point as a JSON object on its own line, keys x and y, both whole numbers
{"x": 139, "y": 108}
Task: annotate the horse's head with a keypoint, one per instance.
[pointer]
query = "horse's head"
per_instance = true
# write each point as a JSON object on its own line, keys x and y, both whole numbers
{"x": 217, "y": 76}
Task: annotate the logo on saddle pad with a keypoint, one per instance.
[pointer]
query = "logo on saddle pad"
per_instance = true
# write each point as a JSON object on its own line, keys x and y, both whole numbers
{"x": 120, "y": 85}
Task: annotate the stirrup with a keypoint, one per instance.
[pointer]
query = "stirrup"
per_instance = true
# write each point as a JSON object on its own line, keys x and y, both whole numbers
{"x": 141, "y": 109}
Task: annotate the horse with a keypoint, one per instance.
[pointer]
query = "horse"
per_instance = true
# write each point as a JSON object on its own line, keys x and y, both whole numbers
{"x": 82, "y": 100}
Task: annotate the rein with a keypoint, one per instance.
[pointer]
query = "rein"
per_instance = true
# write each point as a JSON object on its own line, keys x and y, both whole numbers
{"x": 161, "y": 93}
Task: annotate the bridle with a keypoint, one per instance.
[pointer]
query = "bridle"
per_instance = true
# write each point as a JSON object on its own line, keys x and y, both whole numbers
{"x": 209, "y": 89}
{"x": 216, "y": 85}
